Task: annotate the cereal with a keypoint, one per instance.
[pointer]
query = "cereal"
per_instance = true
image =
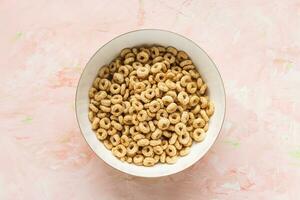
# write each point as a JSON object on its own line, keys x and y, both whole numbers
{"x": 149, "y": 105}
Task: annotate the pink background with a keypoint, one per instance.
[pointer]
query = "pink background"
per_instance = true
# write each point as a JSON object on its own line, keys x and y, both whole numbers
{"x": 45, "y": 46}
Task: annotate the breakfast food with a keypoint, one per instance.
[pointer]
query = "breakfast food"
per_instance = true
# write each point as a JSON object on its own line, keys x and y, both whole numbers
{"x": 149, "y": 105}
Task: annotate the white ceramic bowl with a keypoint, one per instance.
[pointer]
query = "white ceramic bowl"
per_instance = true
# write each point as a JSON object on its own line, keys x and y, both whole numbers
{"x": 205, "y": 66}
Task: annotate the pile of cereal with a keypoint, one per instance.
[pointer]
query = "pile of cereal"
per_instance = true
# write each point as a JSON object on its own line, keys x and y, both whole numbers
{"x": 149, "y": 105}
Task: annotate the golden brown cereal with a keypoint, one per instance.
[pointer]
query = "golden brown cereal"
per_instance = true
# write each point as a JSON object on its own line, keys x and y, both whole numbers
{"x": 149, "y": 104}
{"x": 101, "y": 134}
{"x": 198, "y": 135}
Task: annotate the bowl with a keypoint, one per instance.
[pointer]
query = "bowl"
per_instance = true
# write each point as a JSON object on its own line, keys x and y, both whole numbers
{"x": 206, "y": 68}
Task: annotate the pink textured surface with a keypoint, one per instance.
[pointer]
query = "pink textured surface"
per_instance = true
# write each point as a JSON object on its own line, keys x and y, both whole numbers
{"x": 45, "y": 45}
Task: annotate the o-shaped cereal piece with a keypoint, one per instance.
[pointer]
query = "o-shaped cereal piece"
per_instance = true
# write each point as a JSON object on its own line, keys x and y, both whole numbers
{"x": 171, "y": 150}
{"x": 139, "y": 87}
{"x": 154, "y": 106}
{"x": 196, "y": 109}
{"x": 178, "y": 145}
{"x": 95, "y": 123}
{"x": 157, "y": 59}
{"x": 143, "y": 142}
{"x": 107, "y": 144}
{"x": 170, "y": 84}
{"x": 105, "y": 123}
{"x": 125, "y": 140}
{"x": 185, "y": 80}
{"x": 163, "y": 123}
{"x": 150, "y": 93}
{"x": 144, "y": 127}
{"x": 142, "y": 57}
{"x": 119, "y": 151}
{"x": 116, "y": 99}
{"x": 164, "y": 144}
{"x": 198, "y": 135}
{"x": 101, "y": 134}
{"x": 100, "y": 95}
{"x": 194, "y": 100}
{"x": 123, "y": 70}
{"x": 142, "y": 72}
{"x": 210, "y": 110}
{"x": 185, "y": 151}
{"x": 142, "y": 116}
{"x": 138, "y": 159}
{"x": 172, "y": 107}
{"x": 191, "y": 87}
{"x": 156, "y": 134}
{"x": 184, "y": 138}
{"x": 137, "y": 105}
{"x": 173, "y": 139}
{"x": 181, "y": 55}
{"x": 174, "y": 118}
{"x": 154, "y": 52}
{"x": 180, "y": 128}
{"x": 155, "y": 142}
{"x": 129, "y": 60}
{"x": 118, "y": 78}
{"x": 103, "y": 72}
{"x": 169, "y": 57}
{"x": 195, "y": 74}
{"x": 124, "y": 52}
{"x": 147, "y": 151}
{"x": 158, "y": 150}
{"x": 203, "y": 89}
{"x": 115, "y": 139}
{"x": 183, "y": 98}
{"x": 117, "y": 125}
{"x": 117, "y": 109}
{"x": 185, "y": 62}
{"x": 115, "y": 88}
{"x": 167, "y": 100}
{"x": 105, "y": 102}
{"x": 167, "y": 133}
{"x": 148, "y": 162}
{"x": 172, "y": 50}
{"x": 204, "y": 102}
{"x": 162, "y": 86}
{"x": 92, "y": 92}
{"x": 137, "y": 65}
{"x": 161, "y": 113}
{"x": 160, "y": 77}
{"x": 156, "y": 68}
{"x": 93, "y": 108}
{"x": 204, "y": 115}
{"x": 104, "y": 84}
{"x": 198, "y": 123}
{"x": 111, "y": 131}
{"x": 132, "y": 148}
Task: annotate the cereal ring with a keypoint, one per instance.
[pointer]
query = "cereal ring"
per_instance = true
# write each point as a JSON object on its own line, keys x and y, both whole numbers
{"x": 115, "y": 88}
{"x": 181, "y": 55}
{"x": 143, "y": 142}
{"x": 137, "y": 65}
{"x": 171, "y": 94}
{"x": 148, "y": 162}
{"x": 170, "y": 84}
{"x": 142, "y": 57}
{"x": 116, "y": 99}
{"x": 172, "y": 107}
{"x": 154, "y": 106}
{"x": 205, "y": 128}
{"x": 123, "y": 70}
{"x": 167, "y": 100}
{"x": 194, "y": 100}
{"x": 124, "y": 52}
{"x": 185, "y": 62}
{"x": 107, "y": 144}
{"x": 103, "y": 72}
{"x": 174, "y": 118}
{"x": 156, "y": 134}
{"x": 132, "y": 148}
{"x": 185, "y": 80}
{"x": 154, "y": 52}
{"x": 171, "y": 150}
{"x": 156, "y": 68}
{"x": 91, "y": 116}
{"x": 178, "y": 145}
{"x": 138, "y": 159}
{"x": 101, "y": 134}
{"x": 137, "y": 105}
{"x": 160, "y": 77}
{"x": 105, "y": 123}
{"x": 117, "y": 109}
{"x": 161, "y": 113}
{"x": 166, "y": 133}
{"x": 95, "y": 123}
{"x": 173, "y": 139}
{"x": 163, "y": 123}
{"x": 142, "y": 116}
{"x": 93, "y": 108}
{"x": 180, "y": 128}
{"x": 172, "y": 50}
{"x": 115, "y": 139}
{"x": 119, "y": 151}
{"x": 116, "y": 125}
{"x": 196, "y": 109}
{"x": 194, "y": 74}
{"x": 92, "y": 92}
{"x": 198, "y": 123}
{"x": 210, "y": 109}
{"x": 157, "y": 59}
{"x": 183, "y": 98}
{"x": 199, "y": 83}
{"x": 142, "y": 72}
{"x": 169, "y": 57}
{"x": 198, "y": 135}
{"x": 191, "y": 87}
{"x": 150, "y": 93}
{"x": 185, "y": 151}
{"x": 144, "y": 127}
{"x": 147, "y": 151}
{"x": 129, "y": 60}
{"x": 203, "y": 89}
{"x": 204, "y": 115}
{"x": 155, "y": 142}
{"x": 184, "y": 138}
{"x": 118, "y": 78}
{"x": 162, "y": 86}
{"x": 125, "y": 140}
{"x": 178, "y": 87}
{"x": 111, "y": 131}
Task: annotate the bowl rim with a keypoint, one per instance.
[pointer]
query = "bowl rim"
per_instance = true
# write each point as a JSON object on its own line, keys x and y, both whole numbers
{"x": 150, "y": 29}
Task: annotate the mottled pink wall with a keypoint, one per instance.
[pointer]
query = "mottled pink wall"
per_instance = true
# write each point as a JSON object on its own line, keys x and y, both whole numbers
{"x": 45, "y": 45}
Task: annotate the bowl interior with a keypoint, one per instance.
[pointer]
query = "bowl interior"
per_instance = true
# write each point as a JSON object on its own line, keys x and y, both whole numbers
{"x": 204, "y": 65}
